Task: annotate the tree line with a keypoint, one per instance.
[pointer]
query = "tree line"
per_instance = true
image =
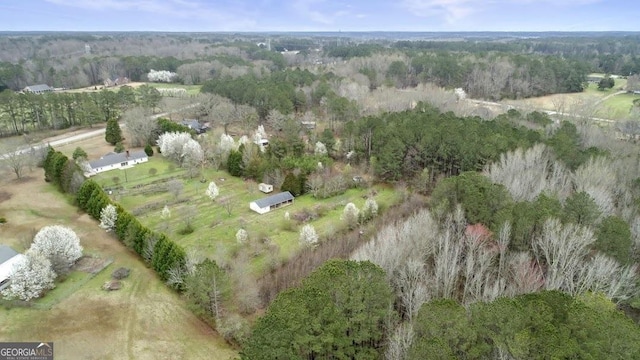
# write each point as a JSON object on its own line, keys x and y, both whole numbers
{"x": 22, "y": 113}
{"x": 158, "y": 251}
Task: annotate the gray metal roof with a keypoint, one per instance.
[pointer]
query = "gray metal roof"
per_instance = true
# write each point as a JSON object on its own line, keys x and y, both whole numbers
{"x": 274, "y": 199}
{"x": 39, "y": 88}
{"x": 6, "y": 253}
{"x": 117, "y": 158}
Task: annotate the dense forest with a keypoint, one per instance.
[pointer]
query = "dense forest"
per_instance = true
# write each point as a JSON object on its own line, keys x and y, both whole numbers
{"x": 517, "y": 232}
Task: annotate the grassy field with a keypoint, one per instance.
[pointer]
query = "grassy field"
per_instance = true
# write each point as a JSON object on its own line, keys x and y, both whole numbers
{"x": 145, "y": 196}
{"x": 143, "y": 320}
{"x": 191, "y": 89}
{"x": 608, "y": 105}
{"x": 618, "y": 107}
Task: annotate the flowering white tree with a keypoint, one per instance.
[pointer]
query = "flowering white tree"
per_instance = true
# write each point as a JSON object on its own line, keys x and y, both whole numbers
{"x": 308, "y": 235}
{"x": 212, "y": 191}
{"x": 180, "y": 147}
{"x": 108, "y": 217}
{"x": 161, "y": 76}
{"x": 350, "y": 215}
{"x": 166, "y": 213}
{"x": 60, "y": 245}
{"x": 242, "y": 236}
{"x": 30, "y": 277}
{"x": 227, "y": 143}
{"x": 320, "y": 149}
{"x": 370, "y": 209}
{"x": 243, "y": 140}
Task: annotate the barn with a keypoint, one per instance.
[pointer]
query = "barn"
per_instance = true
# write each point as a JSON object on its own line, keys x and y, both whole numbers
{"x": 264, "y": 205}
{"x": 8, "y": 257}
{"x": 113, "y": 161}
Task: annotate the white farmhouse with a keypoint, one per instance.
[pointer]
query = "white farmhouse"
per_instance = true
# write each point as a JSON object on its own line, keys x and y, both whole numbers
{"x": 8, "y": 257}
{"x": 113, "y": 161}
{"x": 264, "y": 205}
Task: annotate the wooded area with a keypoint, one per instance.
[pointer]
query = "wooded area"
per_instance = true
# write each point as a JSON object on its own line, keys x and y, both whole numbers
{"x": 516, "y": 234}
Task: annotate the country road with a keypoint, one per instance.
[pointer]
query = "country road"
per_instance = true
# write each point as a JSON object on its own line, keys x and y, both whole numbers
{"x": 64, "y": 140}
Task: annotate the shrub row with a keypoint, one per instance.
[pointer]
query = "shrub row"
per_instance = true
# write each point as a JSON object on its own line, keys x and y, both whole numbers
{"x": 62, "y": 171}
{"x": 160, "y": 252}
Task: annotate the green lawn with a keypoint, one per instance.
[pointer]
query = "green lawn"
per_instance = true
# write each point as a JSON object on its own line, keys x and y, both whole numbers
{"x": 215, "y": 228}
{"x": 618, "y": 107}
{"x": 191, "y": 89}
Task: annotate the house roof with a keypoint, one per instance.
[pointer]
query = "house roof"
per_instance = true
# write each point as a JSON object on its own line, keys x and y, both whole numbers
{"x": 192, "y": 124}
{"x": 6, "y": 253}
{"x": 117, "y": 158}
{"x": 39, "y": 87}
{"x": 274, "y": 199}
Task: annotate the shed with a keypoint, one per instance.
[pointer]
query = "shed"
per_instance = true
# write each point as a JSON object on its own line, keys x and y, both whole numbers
{"x": 8, "y": 258}
{"x": 264, "y": 205}
{"x": 265, "y": 188}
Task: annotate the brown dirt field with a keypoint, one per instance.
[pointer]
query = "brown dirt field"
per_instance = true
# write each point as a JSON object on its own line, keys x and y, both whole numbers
{"x": 143, "y": 320}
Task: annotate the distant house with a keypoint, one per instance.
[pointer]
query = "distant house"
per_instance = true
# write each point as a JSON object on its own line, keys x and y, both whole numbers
{"x": 113, "y": 161}
{"x": 594, "y": 78}
{"x": 8, "y": 258}
{"x": 38, "y": 89}
{"x": 195, "y": 125}
{"x": 264, "y": 205}
{"x": 265, "y": 188}
{"x": 309, "y": 125}
{"x": 117, "y": 81}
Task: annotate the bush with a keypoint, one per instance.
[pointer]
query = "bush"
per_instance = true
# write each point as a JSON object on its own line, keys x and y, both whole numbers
{"x": 3, "y": 220}
{"x": 186, "y": 230}
{"x": 120, "y": 273}
{"x": 148, "y": 150}
{"x": 119, "y": 148}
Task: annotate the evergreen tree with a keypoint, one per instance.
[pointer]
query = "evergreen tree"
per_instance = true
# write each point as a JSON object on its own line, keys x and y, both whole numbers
{"x": 113, "y": 133}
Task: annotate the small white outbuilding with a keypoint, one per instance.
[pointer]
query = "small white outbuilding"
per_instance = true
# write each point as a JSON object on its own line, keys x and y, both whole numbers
{"x": 265, "y": 188}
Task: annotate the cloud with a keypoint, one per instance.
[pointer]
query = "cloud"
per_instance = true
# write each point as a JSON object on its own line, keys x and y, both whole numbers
{"x": 321, "y": 11}
{"x": 454, "y": 10}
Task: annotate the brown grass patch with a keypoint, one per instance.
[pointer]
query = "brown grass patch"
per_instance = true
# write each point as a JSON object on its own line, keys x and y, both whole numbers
{"x": 4, "y": 196}
{"x": 143, "y": 320}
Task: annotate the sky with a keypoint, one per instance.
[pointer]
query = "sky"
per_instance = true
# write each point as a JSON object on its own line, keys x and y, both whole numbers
{"x": 319, "y": 15}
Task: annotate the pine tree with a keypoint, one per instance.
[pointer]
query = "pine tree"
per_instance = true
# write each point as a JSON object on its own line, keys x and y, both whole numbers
{"x": 113, "y": 133}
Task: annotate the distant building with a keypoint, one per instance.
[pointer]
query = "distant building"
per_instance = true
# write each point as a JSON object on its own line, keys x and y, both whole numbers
{"x": 123, "y": 80}
{"x": 264, "y": 205}
{"x": 195, "y": 125}
{"x": 112, "y": 161}
{"x": 38, "y": 89}
{"x": 8, "y": 258}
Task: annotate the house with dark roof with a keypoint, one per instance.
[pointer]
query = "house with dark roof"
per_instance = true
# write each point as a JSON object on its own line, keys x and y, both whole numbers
{"x": 264, "y": 205}
{"x": 195, "y": 125}
{"x": 113, "y": 161}
{"x": 38, "y": 89}
{"x": 8, "y": 258}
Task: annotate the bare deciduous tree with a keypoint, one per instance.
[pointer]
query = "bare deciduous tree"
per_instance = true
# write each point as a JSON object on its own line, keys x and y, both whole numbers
{"x": 528, "y": 173}
{"x": 562, "y": 248}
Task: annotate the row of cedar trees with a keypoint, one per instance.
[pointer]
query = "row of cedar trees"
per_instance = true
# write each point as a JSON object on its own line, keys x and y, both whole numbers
{"x": 160, "y": 252}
